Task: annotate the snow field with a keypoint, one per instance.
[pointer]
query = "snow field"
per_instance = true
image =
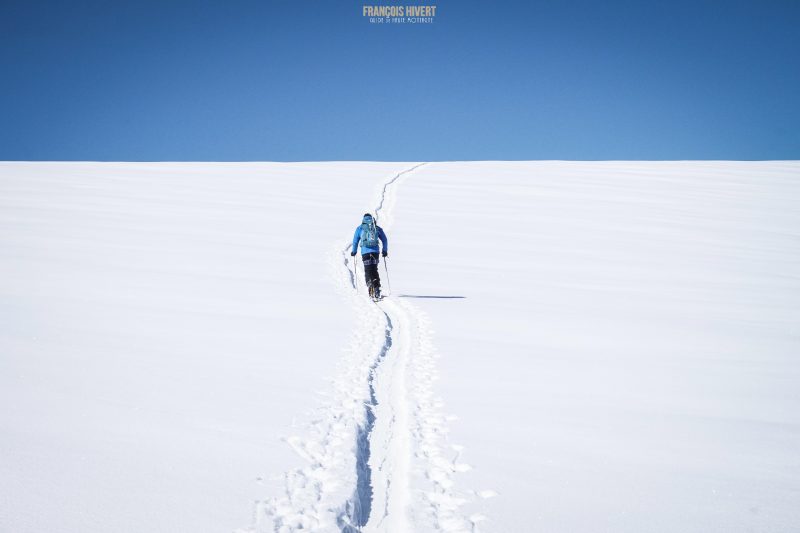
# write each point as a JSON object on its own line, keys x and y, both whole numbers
{"x": 618, "y": 341}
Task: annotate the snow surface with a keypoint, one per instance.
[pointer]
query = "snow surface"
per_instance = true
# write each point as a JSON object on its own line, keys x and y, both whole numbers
{"x": 567, "y": 347}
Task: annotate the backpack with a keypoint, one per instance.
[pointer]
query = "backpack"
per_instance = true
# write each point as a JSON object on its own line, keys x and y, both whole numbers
{"x": 369, "y": 234}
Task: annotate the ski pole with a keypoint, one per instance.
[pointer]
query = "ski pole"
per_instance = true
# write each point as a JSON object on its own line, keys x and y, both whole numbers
{"x": 355, "y": 269}
{"x": 386, "y": 267}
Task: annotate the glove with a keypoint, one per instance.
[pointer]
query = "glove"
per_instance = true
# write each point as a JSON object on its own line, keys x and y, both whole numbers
{"x": 384, "y": 253}
{"x": 352, "y": 254}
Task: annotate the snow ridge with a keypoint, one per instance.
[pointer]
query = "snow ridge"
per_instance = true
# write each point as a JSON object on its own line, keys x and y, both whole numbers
{"x": 377, "y": 437}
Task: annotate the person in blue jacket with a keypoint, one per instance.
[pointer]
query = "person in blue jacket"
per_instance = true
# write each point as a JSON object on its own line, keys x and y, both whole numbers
{"x": 368, "y": 234}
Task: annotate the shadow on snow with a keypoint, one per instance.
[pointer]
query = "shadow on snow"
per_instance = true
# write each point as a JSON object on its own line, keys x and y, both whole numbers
{"x": 431, "y": 296}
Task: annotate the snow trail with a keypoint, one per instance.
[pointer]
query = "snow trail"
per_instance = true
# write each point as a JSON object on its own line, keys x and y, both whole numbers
{"x": 391, "y": 437}
{"x": 377, "y": 456}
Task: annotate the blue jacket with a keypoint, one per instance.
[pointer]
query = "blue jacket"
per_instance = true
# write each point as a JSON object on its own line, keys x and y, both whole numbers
{"x": 364, "y": 249}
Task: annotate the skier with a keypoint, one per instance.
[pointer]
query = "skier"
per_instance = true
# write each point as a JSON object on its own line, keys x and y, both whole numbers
{"x": 368, "y": 234}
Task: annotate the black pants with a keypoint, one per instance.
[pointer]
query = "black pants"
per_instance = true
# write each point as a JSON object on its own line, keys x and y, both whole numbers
{"x": 371, "y": 270}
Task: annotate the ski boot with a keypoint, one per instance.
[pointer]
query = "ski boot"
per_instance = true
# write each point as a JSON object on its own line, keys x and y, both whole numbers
{"x": 375, "y": 293}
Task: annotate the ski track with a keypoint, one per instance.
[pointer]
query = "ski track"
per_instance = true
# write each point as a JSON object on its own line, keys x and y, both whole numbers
{"x": 376, "y": 457}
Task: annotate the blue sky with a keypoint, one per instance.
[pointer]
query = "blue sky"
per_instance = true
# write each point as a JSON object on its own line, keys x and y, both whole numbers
{"x": 297, "y": 80}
